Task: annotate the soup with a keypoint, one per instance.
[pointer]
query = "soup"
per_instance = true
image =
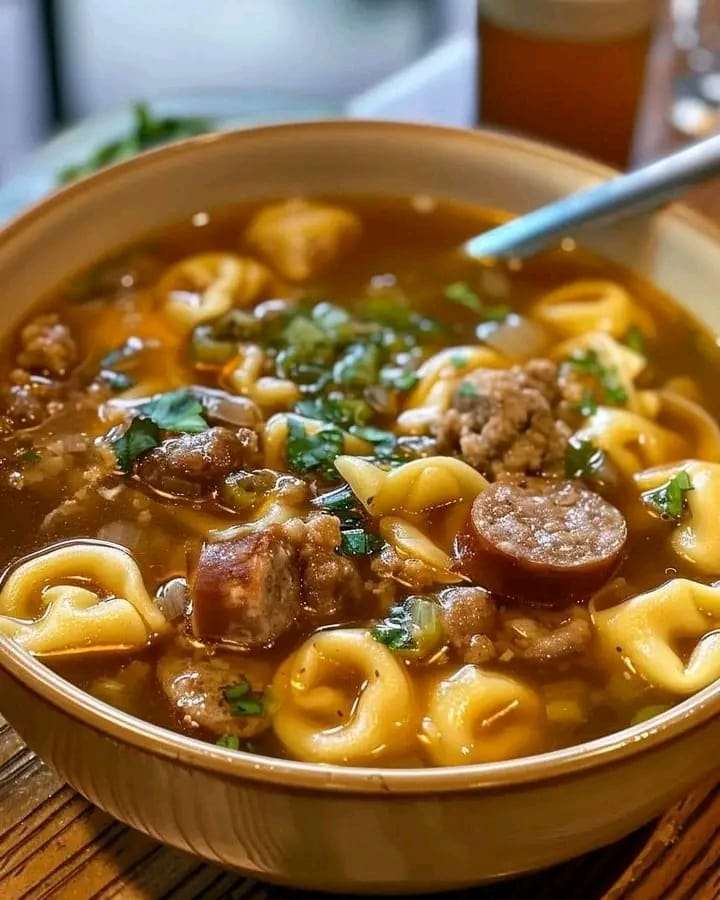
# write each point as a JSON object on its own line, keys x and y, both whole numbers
{"x": 300, "y": 478}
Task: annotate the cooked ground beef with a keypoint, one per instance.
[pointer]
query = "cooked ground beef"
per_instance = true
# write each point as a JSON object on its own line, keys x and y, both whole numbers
{"x": 329, "y": 582}
{"x": 478, "y": 633}
{"x": 253, "y": 589}
{"x": 195, "y": 686}
{"x": 191, "y": 465}
{"x": 469, "y": 618}
{"x": 47, "y": 347}
{"x": 413, "y": 573}
{"x": 547, "y": 636}
{"x": 507, "y": 420}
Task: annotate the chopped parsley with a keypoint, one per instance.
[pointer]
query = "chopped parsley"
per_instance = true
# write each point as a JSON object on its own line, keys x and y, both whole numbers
{"x": 30, "y": 457}
{"x": 179, "y": 411}
{"x": 358, "y": 542}
{"x": 497, "y": 312}
{"x": 669, "y": 500}
{"x": 467, "y": 390}
{"x": 358, "y": 366}
{"x": 242, "y": 700}
{"x": 142, "y": 435}
{"x": 583, "y": 459}
{"x": 415, "y": 627}
{"x": 383, "y": 442}
{"x": 313, "y": 452}
{"x": 398, "y": 378}
{"x": 337, "y": 409}
{"x": 635, "y": 339}
{"x": 588, "y": 362}
{"x": 460, "y": 292}
{"x": 229, "y": 741}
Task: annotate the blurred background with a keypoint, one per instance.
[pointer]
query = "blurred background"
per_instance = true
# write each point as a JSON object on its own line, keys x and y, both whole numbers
{"x": 621, "y": 80}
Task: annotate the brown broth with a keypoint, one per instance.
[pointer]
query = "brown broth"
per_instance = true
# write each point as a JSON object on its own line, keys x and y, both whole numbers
{"x": 403, "y": 251}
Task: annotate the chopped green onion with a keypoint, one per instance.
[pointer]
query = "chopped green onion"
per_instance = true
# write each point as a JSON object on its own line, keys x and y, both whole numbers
{"x": 242, "y": 700}
{"x": 358, "y": 542}
{"x": 415, "y": 627}
{"x": 229, "y": 741}
{"x": 460, "y": 292}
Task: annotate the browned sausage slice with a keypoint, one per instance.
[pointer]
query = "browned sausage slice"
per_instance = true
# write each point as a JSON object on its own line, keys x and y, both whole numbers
{"x": 246, "y": 591}
{"x": 540, "y": 540}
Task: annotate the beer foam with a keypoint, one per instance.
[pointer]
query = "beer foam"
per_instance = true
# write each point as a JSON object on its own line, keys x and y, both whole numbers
{"x": 585, "y": 20}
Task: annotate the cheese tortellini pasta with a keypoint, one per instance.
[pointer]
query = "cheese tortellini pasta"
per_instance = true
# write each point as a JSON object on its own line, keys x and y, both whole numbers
{"x": 344, "y": 698}
{"x": 203, "y": 287}
{"x": 44, "y": 609}
{"x": 476, "y": 716}
{"x": 591, "y": 305}
{"x": 696, "y": 537}
{"x": 644, "y": 632}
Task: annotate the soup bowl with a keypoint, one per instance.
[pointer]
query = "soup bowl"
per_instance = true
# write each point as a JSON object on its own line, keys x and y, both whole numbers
{"x": 327, "y": 827}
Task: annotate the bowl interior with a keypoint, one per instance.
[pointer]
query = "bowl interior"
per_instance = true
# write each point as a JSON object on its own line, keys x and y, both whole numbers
{"x": 675, "y": 249}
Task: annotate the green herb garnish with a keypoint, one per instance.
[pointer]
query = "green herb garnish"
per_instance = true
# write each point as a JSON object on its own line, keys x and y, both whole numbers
{"x": 669, "y": 499}
{"x": 397, "y": 378}
{"x": 146, "y": 132}
{"x": 229, "y": 741}
{"x": 142, "y": 435}
{"x": 30, "y": 457}
{"x": 358, "y": 542}
{"x": 341, "y": 500}
{"x": 460, "y": 292}
{"x": 583, "y": 459}
{"x": 313, "y": 452}
{"x": 242, "y": 700}
{"x": 383, "y": 441}
{"x": 358, "y": 366}
{"x": 635, "y": 339}
{"x": 607, "y": 377}
{"x": 414, "y": 627}
{"x": 588, "y": 404}
{"x": 467, "y": 390}
{"x": 496, "y": 312}
{"x": 339, "y": 410}
{"x": 131, "y": 347}
{"x": 116, "y": 381}
{"x": 179, "y": 411}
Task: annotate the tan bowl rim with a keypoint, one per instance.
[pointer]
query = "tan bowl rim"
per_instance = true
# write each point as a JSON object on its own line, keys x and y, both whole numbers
{"x": 671, "y": 725}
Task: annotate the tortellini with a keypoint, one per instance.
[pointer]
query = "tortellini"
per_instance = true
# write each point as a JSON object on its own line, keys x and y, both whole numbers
{"x": 631, "y": 441}
{"x": 203, "y": 287}
{"x": 275, "y": 437}
{"x": 414, "y": 487}
{"x": 688, "y": 418}
{"x": 618, "y": 358}
{"x": 46, "y": 611}
{"x": 300, "y": 238}
{"x": 591, "y": 305}
{"x": 410, "y": 543}
{"x": 477, "y": 717}
{"x": 438, "y": 378}
{"x": 643, "y": 632}
{"x": 343, "y": 698}
{"x": 696, "y": 537}
{"x": 243, "y": 375}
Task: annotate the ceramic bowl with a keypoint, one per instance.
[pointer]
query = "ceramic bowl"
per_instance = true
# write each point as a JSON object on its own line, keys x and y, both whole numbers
{"x": 326, "y": 827}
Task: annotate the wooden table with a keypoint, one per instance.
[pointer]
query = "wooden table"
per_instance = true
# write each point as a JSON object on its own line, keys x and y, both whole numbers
{"x": 53, "y": 843}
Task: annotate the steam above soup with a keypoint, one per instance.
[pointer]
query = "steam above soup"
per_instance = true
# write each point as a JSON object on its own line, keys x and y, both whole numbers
{"x": 302, "y": 479}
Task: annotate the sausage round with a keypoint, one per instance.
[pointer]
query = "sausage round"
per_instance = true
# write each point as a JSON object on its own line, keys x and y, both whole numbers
{"x": 540, "y": 540}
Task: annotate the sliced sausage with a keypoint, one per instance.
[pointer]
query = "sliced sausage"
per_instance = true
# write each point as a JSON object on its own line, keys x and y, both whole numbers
{"x": 546, "y": 541}
{"x": 196, "y": 690}
{"x": 246, "y": 591}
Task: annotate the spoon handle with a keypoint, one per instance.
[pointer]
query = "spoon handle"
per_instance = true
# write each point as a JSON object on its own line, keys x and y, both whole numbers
{"x": 645, "y": 188}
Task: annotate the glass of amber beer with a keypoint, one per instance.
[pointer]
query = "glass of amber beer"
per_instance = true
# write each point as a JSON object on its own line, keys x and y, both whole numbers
{"x": 568, "y": 71}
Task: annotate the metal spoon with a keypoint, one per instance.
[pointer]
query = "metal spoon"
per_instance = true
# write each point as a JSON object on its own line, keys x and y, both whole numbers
{"x": 645, "y": 188}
